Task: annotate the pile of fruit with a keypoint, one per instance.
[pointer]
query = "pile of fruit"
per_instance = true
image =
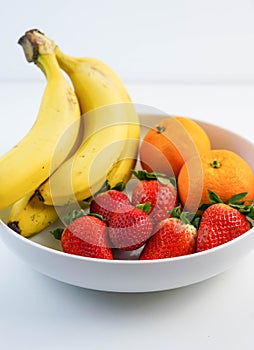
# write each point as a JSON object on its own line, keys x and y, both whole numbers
{"x": 152, "y": 221}
{"x": 85, "y": 147}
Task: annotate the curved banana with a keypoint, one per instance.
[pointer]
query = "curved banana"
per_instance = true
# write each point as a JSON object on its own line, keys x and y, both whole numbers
{"x": 95, "y": 83}
{"x": 28, "y": 164}
{"x": 111, "y": 133}
{"x": 29, "y": 215}
{"x": 121, "y": 170}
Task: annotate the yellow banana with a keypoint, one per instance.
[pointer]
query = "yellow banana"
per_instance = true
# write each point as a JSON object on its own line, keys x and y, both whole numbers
{"x": 111, "y": 133}
{"x": 95, "y": 83}
{"x": 28, "y": 164}
{"x": 121, "y": 170}
{"x": 29, "y": 215}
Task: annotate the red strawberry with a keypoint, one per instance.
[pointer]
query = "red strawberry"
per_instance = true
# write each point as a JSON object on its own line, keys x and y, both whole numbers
{"x": 222, "y": 222}
{"x": 87, "y": 236}
{"x": 129, "y": 228}
{"x": 158, "y": 190}
{"x": 172, "y": 238}
{"x": 106, "y": 203}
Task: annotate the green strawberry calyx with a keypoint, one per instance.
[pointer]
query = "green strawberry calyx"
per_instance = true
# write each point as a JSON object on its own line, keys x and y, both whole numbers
{"x": 145, "y": 207}
{"x": 73, "y": 216}
{"x": 57, "y": 233}
{"x": 185, "y": 217}
{"x": 120, "y": 186}
{"x": 162, "y": 178}
{"x": 236, "y": 201}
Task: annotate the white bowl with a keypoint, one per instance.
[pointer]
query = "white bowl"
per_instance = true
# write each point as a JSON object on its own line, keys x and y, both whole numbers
{"x": 43, "y": 253}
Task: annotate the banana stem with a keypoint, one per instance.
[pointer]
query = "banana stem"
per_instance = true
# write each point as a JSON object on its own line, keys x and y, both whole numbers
{"x": 29, "y": 46}
{"x": 39, "y": 50}
{"x": 35, "y": 43}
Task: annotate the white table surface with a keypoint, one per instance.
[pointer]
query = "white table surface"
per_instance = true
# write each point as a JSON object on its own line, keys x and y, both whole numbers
{"x": 37, "y": 312}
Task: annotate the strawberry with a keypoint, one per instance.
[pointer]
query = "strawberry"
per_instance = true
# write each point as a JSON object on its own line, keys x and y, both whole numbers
{"x": 86, "y": 236}
{"x": 157, "y": 189}
{"x": 130, "y": 227}
{"x": 221, "y": 222}
{"x": 105, "y": 203}
{"x": 174, "y": 236}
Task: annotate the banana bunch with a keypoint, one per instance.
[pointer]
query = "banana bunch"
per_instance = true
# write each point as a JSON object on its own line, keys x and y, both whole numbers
{"x": 106, "y": 139}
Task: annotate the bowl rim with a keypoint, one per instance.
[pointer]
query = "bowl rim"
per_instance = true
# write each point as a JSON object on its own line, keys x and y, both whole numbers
{"x": 192, "y": 256}
{"x": 232, "y": 133}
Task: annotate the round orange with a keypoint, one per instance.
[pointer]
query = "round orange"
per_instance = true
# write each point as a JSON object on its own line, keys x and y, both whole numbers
{"x": 221, "y": 171}
{"x": 170, "y": 143}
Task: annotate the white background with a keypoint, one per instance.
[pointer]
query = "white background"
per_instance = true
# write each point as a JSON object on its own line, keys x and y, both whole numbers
{"x": 184, "y": 57}
{"x": 162, "y": 40}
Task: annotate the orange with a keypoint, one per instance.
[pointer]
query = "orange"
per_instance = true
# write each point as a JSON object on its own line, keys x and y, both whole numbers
{"x": 221, "y": 171}
{"x": 170, "y": 143}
